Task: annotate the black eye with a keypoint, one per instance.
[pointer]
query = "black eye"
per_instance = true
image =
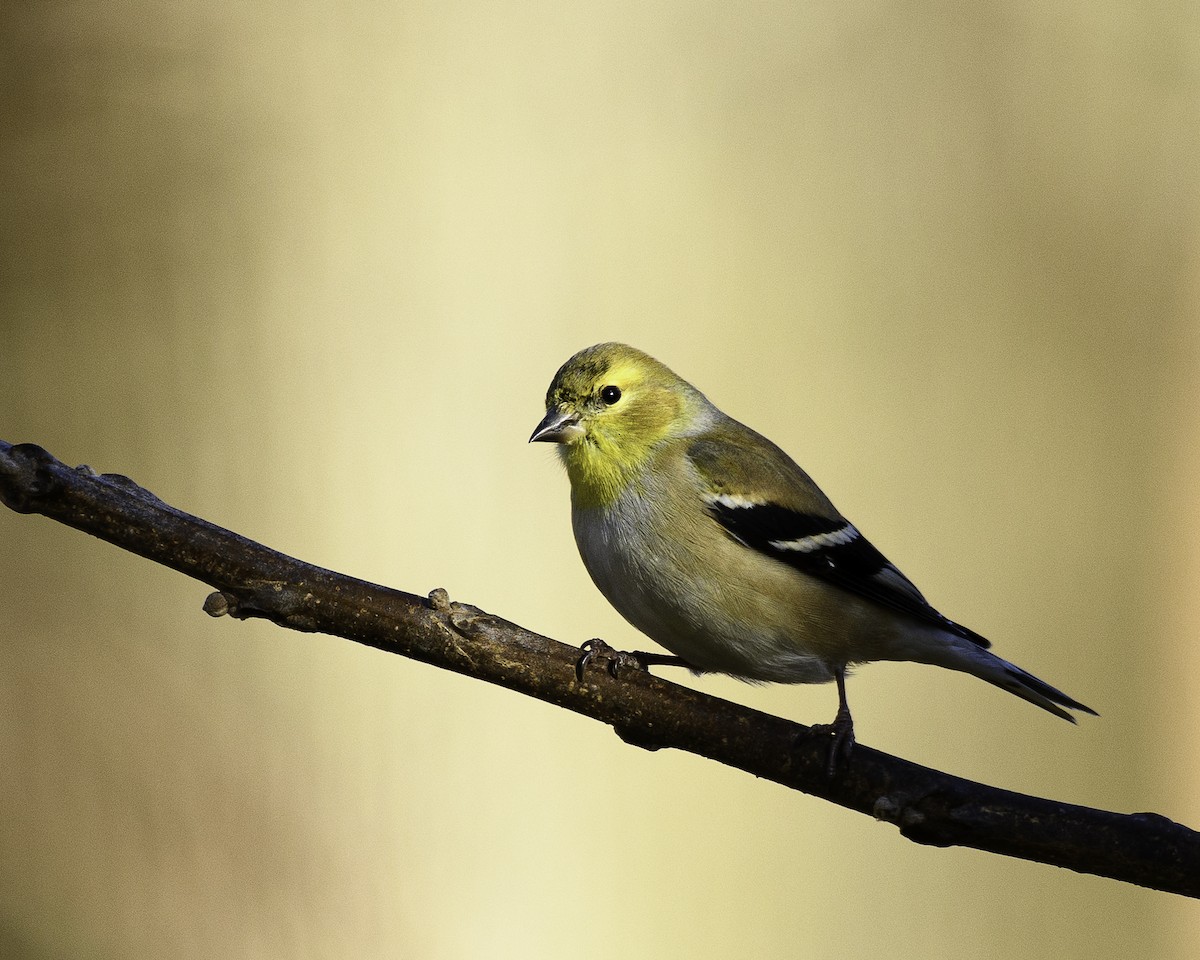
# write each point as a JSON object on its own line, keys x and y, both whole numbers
{"x": 610, "y": 395}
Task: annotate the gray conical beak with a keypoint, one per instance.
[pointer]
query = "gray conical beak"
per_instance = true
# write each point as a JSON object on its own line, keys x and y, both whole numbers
{"x": 557, "y": 426}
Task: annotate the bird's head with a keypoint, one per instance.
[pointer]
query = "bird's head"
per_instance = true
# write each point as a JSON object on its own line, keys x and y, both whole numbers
{"x": 609, "y": 406}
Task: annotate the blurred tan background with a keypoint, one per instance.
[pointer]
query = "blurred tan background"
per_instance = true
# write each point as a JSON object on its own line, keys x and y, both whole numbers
{"x": 306, "y": 269}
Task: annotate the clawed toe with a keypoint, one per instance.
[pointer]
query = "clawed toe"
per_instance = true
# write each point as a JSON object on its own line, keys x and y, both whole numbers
{"x": 617, "y": 660}
{"x": 589, "y": 649}
{"x": 841, "y": 740}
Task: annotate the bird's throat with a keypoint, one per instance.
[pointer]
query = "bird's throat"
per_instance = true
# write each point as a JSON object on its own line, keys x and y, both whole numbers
{"x": 597, "y": 478}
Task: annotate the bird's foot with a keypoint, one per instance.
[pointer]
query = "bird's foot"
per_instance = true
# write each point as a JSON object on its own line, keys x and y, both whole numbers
{"x": 617, "y": 660}
{"x": 841, "y": 739}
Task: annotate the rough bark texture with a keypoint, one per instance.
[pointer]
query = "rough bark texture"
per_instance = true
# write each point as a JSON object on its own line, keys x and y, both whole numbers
{"x": 926, "y": 805}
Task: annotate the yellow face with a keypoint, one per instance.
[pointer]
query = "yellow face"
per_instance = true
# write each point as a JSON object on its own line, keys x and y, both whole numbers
{"x": 608, "y": 406}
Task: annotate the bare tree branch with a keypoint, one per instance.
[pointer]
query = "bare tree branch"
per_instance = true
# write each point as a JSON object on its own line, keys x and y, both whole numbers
{"x": 926, "y": 805}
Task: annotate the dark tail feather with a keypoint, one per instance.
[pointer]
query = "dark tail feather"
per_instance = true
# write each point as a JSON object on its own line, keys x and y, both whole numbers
{"x": 969, "y": 658}
{"x": 1027, "y": 686}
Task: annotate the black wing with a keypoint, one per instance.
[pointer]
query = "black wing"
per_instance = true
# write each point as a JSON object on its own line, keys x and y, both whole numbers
{"x": 831, "y": 550}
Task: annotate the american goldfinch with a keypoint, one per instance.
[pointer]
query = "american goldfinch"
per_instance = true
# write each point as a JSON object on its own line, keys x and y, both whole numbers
{"x": 710, "y": 540}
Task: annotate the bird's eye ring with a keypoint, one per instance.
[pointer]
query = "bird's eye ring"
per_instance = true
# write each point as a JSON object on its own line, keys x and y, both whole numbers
{"x": 610, "y": 395}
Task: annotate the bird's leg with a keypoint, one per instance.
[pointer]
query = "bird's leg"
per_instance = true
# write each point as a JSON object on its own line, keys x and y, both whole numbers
{"x": 646, "y": 660}
{"x": 841, "y": 731}
{"x": 619, "y": 659}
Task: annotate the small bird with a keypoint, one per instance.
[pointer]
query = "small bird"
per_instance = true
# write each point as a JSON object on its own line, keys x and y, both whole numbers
{"x": 710, "y": 540}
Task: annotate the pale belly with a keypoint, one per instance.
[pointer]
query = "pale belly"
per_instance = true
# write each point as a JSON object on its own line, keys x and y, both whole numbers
{"x": 765, "y": 628}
